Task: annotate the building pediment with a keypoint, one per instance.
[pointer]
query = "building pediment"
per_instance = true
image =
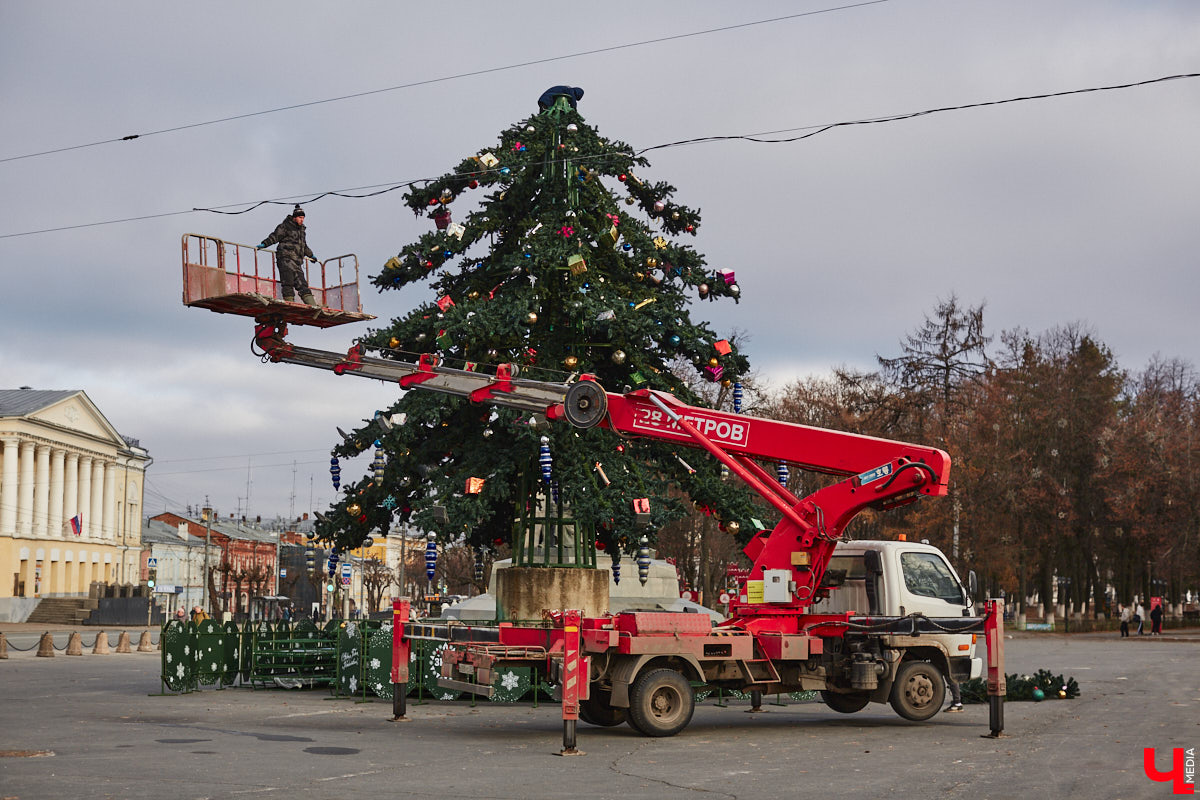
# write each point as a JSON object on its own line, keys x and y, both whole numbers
{"x": 78, "y": 413}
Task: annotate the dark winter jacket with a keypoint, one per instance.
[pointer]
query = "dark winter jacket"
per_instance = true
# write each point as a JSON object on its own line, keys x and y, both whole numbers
{"x": 293, "y": 247}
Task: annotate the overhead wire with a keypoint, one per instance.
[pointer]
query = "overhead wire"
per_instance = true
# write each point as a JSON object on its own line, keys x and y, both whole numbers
{"x": 445, "y": 78}
{"x": 757, "y": 138}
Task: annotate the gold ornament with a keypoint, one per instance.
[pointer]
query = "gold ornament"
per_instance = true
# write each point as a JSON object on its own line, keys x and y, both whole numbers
{"x": 531, "y": 318}
{"x": 618, "y": 357}
{"x": 660, "y": 243}
{"x": 393, "y": 343}
{"x": 354, "y": 509}
{"x": 651, "y": 262}
{"x": 570, "y": 362}
{"x": 473, "y": 296}
{"x": 712, "y": 362}
{"x": 733, "y": 528}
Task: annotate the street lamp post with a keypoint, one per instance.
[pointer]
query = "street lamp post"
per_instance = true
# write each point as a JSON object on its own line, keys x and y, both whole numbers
{"x": 206, "y": 512}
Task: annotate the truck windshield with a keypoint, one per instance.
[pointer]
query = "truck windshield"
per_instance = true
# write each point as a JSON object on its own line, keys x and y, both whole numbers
{"x": 928, "y": 575}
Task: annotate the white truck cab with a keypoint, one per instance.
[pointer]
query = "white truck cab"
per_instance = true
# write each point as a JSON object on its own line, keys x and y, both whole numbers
{"x": 897, "y": 579}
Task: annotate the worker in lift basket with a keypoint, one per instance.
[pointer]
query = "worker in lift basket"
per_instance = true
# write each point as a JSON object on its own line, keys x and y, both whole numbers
{"x": 290, "y": 255}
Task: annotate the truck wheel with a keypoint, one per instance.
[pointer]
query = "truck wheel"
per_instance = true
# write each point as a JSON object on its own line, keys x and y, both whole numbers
{"x": 918, "y": 691}
{"x": 661, "y": 703}
{"x": 598, "y": 710}
{"x": 845, "y": 703}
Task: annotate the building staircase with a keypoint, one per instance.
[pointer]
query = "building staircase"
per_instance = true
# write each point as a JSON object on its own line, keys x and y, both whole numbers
{"x": 61, "y": 611}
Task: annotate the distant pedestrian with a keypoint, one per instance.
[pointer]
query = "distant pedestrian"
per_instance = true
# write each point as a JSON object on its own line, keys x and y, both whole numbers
{"x": 293, "y": 248}
{"x": 198, "y": 615}
{"x": 1139, "y": 614}
{"x": 1126, "y": 615}
{"x": 1156, "y": 616}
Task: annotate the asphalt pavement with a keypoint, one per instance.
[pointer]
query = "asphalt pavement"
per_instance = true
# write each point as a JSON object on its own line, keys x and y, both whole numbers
{"x": 94, "y": 727}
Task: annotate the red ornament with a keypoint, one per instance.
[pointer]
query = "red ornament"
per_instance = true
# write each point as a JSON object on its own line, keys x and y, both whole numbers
{"x": 622, "y": 177}
{"x": 473, "y": 184}
{"x": 433, "y": 201}
{"x": 599, "y": 545}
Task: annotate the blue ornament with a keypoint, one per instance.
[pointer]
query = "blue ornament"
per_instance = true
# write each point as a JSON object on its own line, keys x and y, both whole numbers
{"x": 505, "y": 170}
{"x": 430, "y": 558}
{"x": 782, "y": 472}
{"x": 616, "y": 571}
{"x": 737, "y": 398}
{"x": 545, "y": 460}
{"x": 377, "y": 465}
{"x": 335, "y": 472}
{"x": 674, "y": 340}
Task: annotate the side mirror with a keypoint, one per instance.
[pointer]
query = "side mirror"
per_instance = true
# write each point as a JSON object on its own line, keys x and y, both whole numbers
{"x": 972, "y": 586}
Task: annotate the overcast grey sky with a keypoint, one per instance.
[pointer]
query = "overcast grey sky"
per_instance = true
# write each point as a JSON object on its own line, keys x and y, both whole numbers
{"x": 1073, "y": 209}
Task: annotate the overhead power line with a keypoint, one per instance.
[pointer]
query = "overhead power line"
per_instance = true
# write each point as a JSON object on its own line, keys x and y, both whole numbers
{"x": 443, "y": 79}
{"x": 757, "y": 138}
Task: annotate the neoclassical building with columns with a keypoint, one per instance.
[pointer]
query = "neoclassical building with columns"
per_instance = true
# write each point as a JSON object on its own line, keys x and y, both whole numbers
{"x": 71, "y": 492}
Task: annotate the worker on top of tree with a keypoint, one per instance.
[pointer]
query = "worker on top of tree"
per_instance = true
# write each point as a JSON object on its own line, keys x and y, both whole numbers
{"x": 290, "y": 255}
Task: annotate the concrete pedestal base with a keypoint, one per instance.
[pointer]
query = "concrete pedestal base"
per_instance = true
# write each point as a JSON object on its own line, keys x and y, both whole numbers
{"x": 523, "y": 593}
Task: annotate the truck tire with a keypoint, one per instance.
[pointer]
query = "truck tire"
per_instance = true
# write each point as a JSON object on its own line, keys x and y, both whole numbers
{"x": 598, "y": 710}
{"x": 918, "y": 691}
{"x": 845, "y": 703}
{"x": 661, "y": 703}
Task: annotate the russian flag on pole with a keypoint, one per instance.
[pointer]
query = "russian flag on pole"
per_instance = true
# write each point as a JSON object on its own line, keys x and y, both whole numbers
{"x": 77, "y": 524}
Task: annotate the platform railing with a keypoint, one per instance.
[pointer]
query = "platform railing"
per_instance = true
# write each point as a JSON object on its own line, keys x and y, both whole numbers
{"x": 214, "y": 268}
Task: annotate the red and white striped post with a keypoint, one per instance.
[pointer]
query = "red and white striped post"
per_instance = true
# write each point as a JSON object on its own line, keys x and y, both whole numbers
{"x": 401, "y": 648}
{"x": 573, "y": 677}
{"x": 996, "y": 684}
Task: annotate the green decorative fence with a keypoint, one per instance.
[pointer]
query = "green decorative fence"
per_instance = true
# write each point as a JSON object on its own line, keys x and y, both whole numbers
{"x": 349, "y": 658}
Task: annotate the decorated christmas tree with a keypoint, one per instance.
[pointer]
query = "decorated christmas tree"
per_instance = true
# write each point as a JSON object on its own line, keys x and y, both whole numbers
{"x": 569, "y": 264}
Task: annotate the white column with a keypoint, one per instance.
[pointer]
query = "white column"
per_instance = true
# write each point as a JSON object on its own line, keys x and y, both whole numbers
{"x": 110, "y": 500}
{"x": 25, "y": 492}
{"x": 41, "y": 492}
{"x": 84, "y": 503}
{"x": 8, "y": 488}
{"x": 96, "y": 526}
{"x": 71, "y": 490}
{"x": 54, "y": 524}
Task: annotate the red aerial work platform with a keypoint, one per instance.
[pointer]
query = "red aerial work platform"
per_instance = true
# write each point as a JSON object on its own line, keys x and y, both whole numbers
{"x": 232, "y": 278}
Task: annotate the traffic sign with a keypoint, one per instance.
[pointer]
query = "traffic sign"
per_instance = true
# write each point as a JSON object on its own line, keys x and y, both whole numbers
{"x": 346, "y": 572}
{"x": 724, "y": 597}
{"x": 151, "y": 562}
{"x": 345, "y": 580}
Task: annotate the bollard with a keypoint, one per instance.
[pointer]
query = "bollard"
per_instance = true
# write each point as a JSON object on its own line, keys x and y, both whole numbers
{"x": 123, "y": 643}
{"x": 46, "y": 645}
{"x": 3, "y": 646}
{"x": 75, "y": 644}
{"x": 101, "y": 646}
{"x": 145, "y": 645}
